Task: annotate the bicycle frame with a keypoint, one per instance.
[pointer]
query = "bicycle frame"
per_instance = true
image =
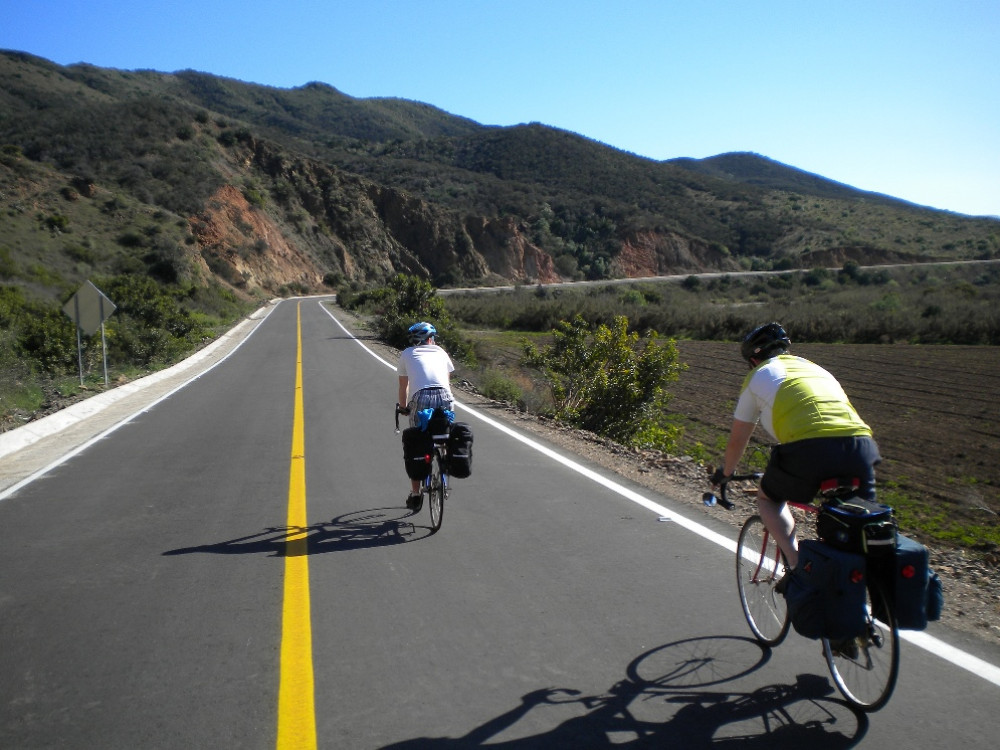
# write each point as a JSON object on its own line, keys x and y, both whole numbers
{"x": 864, "y": 668}
{"x": 435, "y": 485}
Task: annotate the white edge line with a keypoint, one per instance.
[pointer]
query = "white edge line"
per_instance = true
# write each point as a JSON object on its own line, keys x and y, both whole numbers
{"x": 956, "y": 656}
{"x": 83, "y": 446}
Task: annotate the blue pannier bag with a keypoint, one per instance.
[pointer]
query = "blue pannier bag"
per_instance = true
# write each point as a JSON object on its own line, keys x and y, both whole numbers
{"x": 826, "y": 593}
{"x": 916, "y": 593}
{"x": 857, "y": 525}
{"x": 935, "y": 598}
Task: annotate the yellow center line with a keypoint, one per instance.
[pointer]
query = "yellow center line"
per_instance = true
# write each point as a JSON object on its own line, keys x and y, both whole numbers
{"x": 296, "y": 700}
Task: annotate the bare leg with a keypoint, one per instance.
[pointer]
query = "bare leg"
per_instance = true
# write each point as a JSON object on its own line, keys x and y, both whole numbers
{"x": 414, "y": 486}
{"x": 780, "y": 522}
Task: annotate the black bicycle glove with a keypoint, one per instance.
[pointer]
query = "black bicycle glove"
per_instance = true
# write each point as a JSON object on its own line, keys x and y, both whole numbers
{"x": 719, "y": 476}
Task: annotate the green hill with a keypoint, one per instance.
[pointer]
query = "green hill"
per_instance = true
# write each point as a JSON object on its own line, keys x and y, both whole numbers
{"x": 192, "y": 177}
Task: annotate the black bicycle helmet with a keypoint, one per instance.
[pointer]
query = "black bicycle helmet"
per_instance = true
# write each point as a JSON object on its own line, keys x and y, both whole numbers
{"x": 420, "y": 332}
{"x": 763, "y": 340}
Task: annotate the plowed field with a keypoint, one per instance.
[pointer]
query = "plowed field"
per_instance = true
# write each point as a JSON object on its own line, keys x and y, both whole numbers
{"x": 935, "y": 411}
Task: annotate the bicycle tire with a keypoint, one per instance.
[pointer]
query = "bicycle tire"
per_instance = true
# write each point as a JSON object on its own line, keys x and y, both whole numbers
{"x": 438, "y": 488}
{"x": 866, "y": 672}
{"x": 759, "y": 566}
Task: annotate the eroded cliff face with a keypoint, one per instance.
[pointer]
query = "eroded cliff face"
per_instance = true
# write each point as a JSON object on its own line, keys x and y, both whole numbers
{"x": 331, "y": 225}
{"x": 247, "y": 249}
{"x": 446, "y": 247}
{"x": 368, "y": 232}
{"x": 508, "y": 253}
{"x": 317, "y": 224}
{"x": 653, "y": 254}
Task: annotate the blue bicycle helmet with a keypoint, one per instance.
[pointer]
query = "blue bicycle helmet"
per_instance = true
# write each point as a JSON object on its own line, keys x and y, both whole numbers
{"x": 420, "y": 332}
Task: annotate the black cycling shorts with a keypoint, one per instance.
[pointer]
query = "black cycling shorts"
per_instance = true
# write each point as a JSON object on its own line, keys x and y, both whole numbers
{"x": 796, "y": 470}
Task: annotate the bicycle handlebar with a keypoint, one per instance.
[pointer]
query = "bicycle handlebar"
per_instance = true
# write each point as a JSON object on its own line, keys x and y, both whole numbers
{"x": 710, "y": 498}
{"x": 400, "y": 410}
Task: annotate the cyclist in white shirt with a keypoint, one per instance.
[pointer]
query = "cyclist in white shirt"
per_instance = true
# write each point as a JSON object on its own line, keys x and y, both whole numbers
{"x": 820, "y": 435}
{"x": 424, "y": 383}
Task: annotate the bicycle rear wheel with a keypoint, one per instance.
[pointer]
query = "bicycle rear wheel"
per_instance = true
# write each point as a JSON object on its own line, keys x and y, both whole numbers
{"x": 759, "y": 566}
{"x": 865, "y": 668}
{"x": 438, "y": 492}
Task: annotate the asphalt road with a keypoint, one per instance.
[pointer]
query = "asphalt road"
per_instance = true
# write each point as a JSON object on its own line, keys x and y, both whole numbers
{"x": 143, "y": 599}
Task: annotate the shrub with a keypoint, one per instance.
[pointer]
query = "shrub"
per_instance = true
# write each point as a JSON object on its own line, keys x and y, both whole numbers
{"x": 691, "y": 282}
{"x": 610, "y": 381}
{"x": 57, "y": 223}
{"x": 8, "y": 266}
{"x": 409, "y": 299}
{"x": 47, "y": 337}
{"x": 500, "y": 387}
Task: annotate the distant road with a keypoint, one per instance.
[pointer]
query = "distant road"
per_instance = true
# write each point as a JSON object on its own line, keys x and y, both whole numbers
{"x": 156, "y": 590}
{"x": 708, "y": 275}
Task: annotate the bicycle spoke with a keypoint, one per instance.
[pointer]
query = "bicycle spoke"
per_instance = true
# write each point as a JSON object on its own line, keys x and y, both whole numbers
{"x": 758, "y": 569}
{"x": 438, "y": 492}
{"x": 865, "y": 669}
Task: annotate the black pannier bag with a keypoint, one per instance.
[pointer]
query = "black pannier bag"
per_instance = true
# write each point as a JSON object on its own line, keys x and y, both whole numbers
{"x": 460, "y": 450}
{"x": 438, "y": 424}
{"x": 826, "y": 593}
{"x": 417, "y": 448}
{"x": 860, "y": 526}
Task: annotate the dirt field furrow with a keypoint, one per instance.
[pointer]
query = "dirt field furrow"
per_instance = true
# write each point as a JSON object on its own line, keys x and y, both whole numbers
{"x": 936, "y": 424}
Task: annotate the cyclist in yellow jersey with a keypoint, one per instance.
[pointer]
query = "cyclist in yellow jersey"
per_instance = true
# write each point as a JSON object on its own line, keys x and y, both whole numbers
{"x": 820, "y": 436}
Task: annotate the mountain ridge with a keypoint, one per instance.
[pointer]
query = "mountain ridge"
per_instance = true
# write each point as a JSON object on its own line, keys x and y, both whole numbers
{"x": 360, "y": 189}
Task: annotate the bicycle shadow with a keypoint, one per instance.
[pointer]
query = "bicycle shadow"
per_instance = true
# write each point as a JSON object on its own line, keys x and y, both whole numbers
{"x": 673, "y": 709}
{"x": 367, "y": 529}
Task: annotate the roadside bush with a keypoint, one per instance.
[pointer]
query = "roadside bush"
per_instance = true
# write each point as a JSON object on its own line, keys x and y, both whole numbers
{"x": 863, "y": 307}
{"x": 409, "y": 299}
{"x": 610, "y": 381}
{"x": 48, "y": 337}
{"x": 496, "y": 385}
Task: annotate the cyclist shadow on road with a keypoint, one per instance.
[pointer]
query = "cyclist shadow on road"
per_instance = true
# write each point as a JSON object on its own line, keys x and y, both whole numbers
{"x": 379, "y": 527}
{"x": 664, "y": 703}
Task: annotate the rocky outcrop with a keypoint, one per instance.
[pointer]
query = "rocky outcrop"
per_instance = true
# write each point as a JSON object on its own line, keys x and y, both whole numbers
{"x": 246, "y": 248}
{"x": 656, "y": 254}
{"x": 318, "y": 222}
{"x": 359, "y": 230}
{"x": 432, "y": 242}
{"x": 444, "y": 247}
{"x": 508, "y": 254}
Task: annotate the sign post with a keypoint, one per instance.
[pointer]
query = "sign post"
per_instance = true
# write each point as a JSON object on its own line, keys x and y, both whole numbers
{"x": 89, "y": 308}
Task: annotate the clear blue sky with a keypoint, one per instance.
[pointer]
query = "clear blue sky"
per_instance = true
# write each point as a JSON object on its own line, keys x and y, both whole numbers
{"x": 901, "y": 97}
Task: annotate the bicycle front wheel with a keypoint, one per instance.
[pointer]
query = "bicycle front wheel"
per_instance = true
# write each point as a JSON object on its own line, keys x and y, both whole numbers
{"x": 438, "y": 492}
{"x": 865, "y": 668}
{"x": 759, "y": 566}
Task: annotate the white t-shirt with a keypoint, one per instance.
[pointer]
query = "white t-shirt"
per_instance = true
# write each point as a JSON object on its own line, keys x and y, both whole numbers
{"x": 427, "y": 366}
